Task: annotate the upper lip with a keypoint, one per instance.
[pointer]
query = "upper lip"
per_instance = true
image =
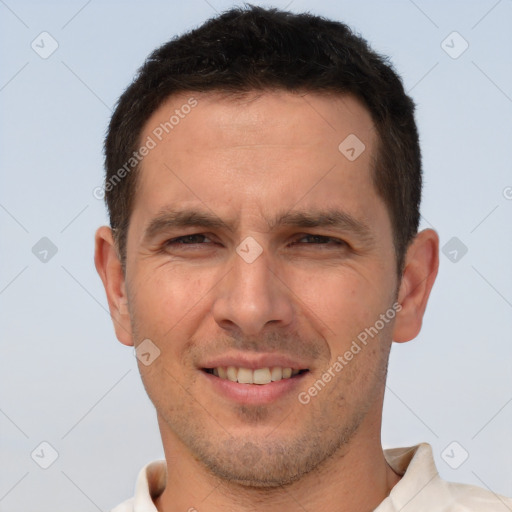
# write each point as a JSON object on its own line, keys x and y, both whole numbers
{"x": 255, "y": 361}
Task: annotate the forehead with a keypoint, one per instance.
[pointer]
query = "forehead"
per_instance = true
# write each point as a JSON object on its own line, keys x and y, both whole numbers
{"x": 229, "y": 152}
{"x": 258, "y": 117}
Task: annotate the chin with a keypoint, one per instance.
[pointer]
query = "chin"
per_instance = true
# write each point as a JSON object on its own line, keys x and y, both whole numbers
{"x": 261, "y": 465}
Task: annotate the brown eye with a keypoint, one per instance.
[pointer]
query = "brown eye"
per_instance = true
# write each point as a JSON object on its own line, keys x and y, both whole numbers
{"x": 323, "y": 240}
{"x": 187, "y": 240}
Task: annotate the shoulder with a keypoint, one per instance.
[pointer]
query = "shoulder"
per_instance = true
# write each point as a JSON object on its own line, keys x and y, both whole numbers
{"x": 464, "y": 498}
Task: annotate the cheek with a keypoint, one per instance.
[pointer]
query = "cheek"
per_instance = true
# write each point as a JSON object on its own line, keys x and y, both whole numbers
{"x": 345, "y": 300}
{"x": 164, "y": 300}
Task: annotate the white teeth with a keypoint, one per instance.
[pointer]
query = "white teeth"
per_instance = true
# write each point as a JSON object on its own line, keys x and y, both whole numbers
{"x": 277, "y": 373}
{"x": 245, "y": 376}
{"x": 231, "y": 373}
{"x": 287, "y": 373}
{"x": 258, "y": 376}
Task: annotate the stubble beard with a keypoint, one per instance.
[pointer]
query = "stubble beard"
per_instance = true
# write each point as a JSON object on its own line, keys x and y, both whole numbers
{"x": 271, "y": 460}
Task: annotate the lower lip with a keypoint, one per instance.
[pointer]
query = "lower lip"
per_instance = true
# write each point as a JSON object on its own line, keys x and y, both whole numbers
{"x": 256, "y": 394}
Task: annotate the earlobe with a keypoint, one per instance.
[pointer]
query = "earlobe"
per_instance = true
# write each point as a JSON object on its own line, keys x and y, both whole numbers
{"x": 110, "y": 270}
{"x": 420, "y": 271}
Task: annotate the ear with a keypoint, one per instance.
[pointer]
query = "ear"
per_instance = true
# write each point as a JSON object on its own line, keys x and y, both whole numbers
{"x": 420, "y": 271}
{"x": 111, "y": 272}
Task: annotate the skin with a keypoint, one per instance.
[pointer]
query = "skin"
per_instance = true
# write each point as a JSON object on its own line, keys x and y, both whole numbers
{"x": 246, "y": 160}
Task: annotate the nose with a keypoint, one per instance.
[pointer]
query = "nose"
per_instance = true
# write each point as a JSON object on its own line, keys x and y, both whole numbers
{"x": 251, "y": 296}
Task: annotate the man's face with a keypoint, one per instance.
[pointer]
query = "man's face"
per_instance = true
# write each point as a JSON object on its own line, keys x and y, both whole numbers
{"x": 259, "y": 167}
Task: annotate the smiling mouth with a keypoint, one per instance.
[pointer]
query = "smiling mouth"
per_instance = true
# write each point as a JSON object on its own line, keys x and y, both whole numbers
{"x": 259, "y": 376}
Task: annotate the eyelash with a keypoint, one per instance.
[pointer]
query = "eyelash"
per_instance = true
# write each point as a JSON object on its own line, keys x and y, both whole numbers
{"x": 177, "y": 241}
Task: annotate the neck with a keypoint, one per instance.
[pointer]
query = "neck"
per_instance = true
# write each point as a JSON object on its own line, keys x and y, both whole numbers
{"x": 354, "y": 480}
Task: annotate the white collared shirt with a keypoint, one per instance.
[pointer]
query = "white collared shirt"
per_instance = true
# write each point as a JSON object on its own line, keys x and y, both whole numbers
{"x": 420, "y": 489}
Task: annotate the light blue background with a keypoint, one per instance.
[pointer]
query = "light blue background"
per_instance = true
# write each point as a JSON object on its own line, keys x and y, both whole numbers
{"x": 64, "y": 378}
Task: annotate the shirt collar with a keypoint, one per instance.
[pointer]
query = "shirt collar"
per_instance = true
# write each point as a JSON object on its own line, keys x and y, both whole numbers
{"x": 417, "y": 467}
{"x": 150, "y": 484}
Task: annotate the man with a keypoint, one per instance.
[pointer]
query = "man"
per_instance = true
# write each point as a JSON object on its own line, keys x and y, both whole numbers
{"x": 263, "y": 184}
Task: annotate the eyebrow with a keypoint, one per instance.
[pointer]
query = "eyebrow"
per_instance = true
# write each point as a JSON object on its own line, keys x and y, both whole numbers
{"x": 168, "y": 219}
